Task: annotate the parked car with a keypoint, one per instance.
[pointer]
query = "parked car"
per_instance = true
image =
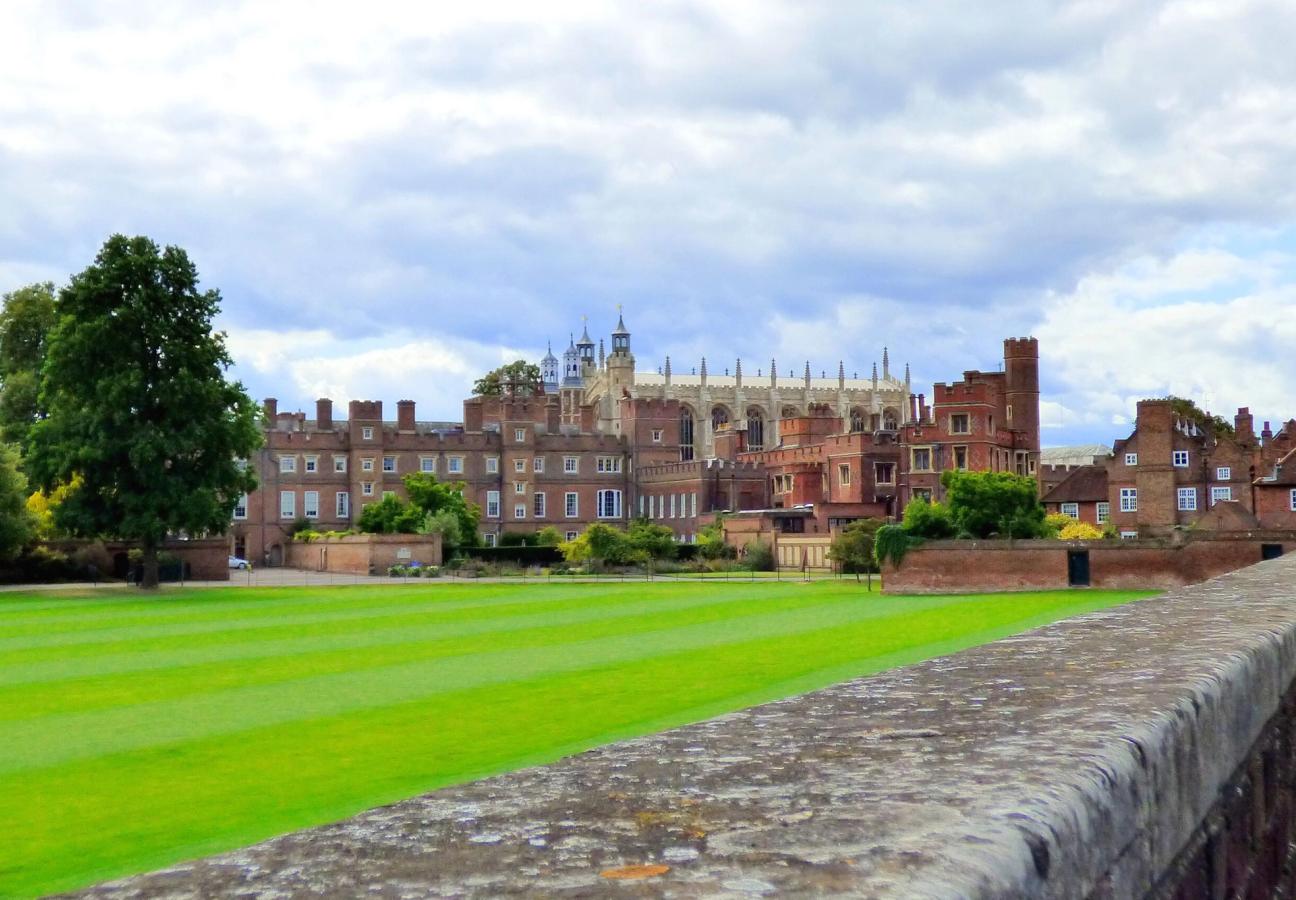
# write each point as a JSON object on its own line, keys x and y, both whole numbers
{"x": 236, "y": 563}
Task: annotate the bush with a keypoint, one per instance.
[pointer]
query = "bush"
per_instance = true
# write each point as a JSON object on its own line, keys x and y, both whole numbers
{"x": 759, "y": 557}
{"x": 1079, "y": 531}
{"x": 987, "y": 503}
{"x": 852, "y": 548}
{"x": 892, "y": 542}
{"x": 924, "y": 519}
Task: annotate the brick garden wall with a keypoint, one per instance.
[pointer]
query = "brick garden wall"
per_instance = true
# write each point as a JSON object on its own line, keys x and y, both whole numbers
{"x": 982, "y": 566}
{"x": 364, "y": 554}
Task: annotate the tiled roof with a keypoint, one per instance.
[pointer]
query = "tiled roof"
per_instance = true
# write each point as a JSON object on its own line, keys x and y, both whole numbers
{"x": 1085, "y": 484}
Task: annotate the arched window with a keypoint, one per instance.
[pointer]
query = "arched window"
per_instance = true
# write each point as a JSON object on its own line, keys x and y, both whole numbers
{"x": 890, "y": 419}
{"x": 686, "y": 434}
{"x": 719, "y": 416}
{"x": 755, "y": 428}
{"x": 857, "y": 419}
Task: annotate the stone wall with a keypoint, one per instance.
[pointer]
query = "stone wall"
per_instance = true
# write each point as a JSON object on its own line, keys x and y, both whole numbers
{"x": 1140, "y": 751}
{"x": 978, "y": 566}
{"x": 364, "y": 554}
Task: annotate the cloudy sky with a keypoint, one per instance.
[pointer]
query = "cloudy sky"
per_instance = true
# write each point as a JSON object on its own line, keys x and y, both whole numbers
{"x": 394, "y": 197}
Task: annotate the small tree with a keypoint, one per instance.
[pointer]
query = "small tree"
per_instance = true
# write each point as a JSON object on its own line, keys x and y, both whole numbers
{"x": 428, "y": 495}
{"x": 852, "y": 548}
{"x": 891, "y": 543}
{"x": 15, "y": 520}
{"x": 711, "y": 542}
{"x": 924, "y": 519}
{"x": 138, "y": 403}
{"x": 25, "y": 323}
{"x": 598, "y": 543}
{"x": 986, "y": 503}
{"x": 654, "y": 541}
{"x": 518, "y": 377}
{"x": 548, "y": 537}
{"x": 391, "y": 515}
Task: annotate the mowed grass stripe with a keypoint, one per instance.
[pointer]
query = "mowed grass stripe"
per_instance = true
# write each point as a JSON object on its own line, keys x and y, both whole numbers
{"x": 422, "y": 623}
{"x": 190, "y": 716}
{"x": 198, "y": 670}
{"x": 129, "y": 809}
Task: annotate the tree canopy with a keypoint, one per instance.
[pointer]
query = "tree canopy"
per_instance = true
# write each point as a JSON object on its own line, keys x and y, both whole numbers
{"x": 519, "y": 376}
{"x": 986, "y": 503}
{"x": 852, "y": 548}
{"x": 25, "y": 323}
{"x": 434, "y": 507}
{"x": 139, "y": 407}
{"x": 1217, "y": 425}
{"x": 15, "y": 520}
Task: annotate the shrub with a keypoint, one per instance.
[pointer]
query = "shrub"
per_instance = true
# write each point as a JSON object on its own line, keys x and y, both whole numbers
{"x": 759, "y": 557}
{"x": 1079, "y": 531}
{"x": 852, "y": 548}
{"x": 986, "y": 503}
{"x": 1055, "y": 522}
{"x": 924, "y": 519}
{"x": 892, "y": 542}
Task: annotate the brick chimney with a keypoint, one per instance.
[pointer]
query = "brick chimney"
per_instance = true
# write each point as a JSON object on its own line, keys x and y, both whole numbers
{"x": 405, "y": 415}
{"x": 271, "y": 409}
{"x": 1244, "y": 425}
{"x": 323, "y": 414}
{"x": 553, "y": 414}
{"x": 587, "y": 419}
{"x": 472, "y": 414}
{"x": 922, "y": 408}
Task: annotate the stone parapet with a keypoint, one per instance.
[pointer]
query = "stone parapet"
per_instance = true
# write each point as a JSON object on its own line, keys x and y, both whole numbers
{"x": 1087, "y": 758}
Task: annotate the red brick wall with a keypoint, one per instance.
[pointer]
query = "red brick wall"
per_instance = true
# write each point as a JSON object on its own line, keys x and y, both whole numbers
{"x": 361, "y": 554}
{"x": 977, "y": 566}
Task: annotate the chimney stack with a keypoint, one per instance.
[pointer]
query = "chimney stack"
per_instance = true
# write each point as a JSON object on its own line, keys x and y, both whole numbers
{"x": 405, "y": 415}
{"x": 323, "y": 414}
{"x": 553, "y": 416}
{"x": 1244, "y": 425}
{"x": 272, "y": 409}
{"x": 587, "y": 419}
{"x": 922, "y": 408}
{"x": 472, "y": 414}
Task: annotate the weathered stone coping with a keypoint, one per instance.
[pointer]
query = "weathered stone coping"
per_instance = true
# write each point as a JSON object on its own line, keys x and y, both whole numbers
{"x": 1071, "y": 761}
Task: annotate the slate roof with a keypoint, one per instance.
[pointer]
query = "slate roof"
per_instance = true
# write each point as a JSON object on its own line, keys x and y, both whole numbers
{"x": 1085, "y": 484}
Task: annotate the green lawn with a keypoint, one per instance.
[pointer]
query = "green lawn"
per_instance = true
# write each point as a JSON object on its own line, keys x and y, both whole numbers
{"x": 138, "y": 732}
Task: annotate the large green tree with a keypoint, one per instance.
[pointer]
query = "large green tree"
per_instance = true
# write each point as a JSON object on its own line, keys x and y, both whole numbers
{"x": 139, "y": 405}
{"x": 25, "y": 322}
{"x": 518, "y": 377}
{"x": 15, "y": 521}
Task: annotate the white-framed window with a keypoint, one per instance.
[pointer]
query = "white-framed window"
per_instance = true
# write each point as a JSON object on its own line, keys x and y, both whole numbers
{"x": 571, "y": 465}
{"x": 454, "y": 465}
{"x": 641, "y": 506}
{"x": 339, "y": 464}
{"x": 287, "y": 464}
{"x": 519, "y": 465}
{"x": 538, "y": 505}
{"x": 240, "y": 508}
{"x": 489, "y": 538}
{"x": 537, "y": 464}
{"x": 366, "y": 488}
{"x": 343, "y": 505}
{"x": 519, "y": 435}
{"x": 519, "y": 487}
{"x": 1103, "y": 510}
{"x": 1129, "y": 535}
{"x": 657, "y": 435}
{"x": 609, "y": 464}
{"x": 960, "y": 423}
{"x": 492, "y": 465}
{"x": 609, "y": 504}
{"x": 571, "y": 504}
{"x": 310, "y": 504}
{"x": 366, "y": 464}
{"x": 492, "y": 504}
{"x": 1187, "y": 499}
{"x": 287, "y": 504}
{"x": 572, "y": 535}
{"x": 1179, "y": 459}
{"x": 312, "y": 464}
{"x": 672, "y": 507}
{"x": 1224, "y": 473}
{"x": 1293, "y": 499}
{"x": 1131, "y": 459}
{"x": 427, "y": 463}
{"x": 519, "y": 510}
{"x": 366, "y": 433}
{"x": 1221, "y": 493}
{"x": 389, "y": 464}
{"x": 1129, "y": 499}
{"x": 843, "y": 474}
{"x": 1071, "y": 510}
{"x": 652, "y": 507}
{"x": 693, "y": 504}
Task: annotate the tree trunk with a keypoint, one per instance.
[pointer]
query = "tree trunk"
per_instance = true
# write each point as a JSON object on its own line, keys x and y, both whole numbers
{"x": 149, "y": 577}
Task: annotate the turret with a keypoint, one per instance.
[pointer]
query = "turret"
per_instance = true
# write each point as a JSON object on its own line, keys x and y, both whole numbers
{"x": 585, "y": 349}
{"x": 549, "y": 371}
{"x": 1021, "y": 389}
{"x": 620, "y": 364}
{"x": 571, "y": 366}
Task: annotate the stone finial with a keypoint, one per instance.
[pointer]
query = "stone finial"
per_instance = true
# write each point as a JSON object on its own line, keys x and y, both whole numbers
{"x": 738, "y": 372}
{"x": 875, "y": 376}
{"x": 704, "y": 371}
{"x": 773, "y": 373}
{"x": 807, "y": 374}
{"x": 906, "y": 376}
{"x": 601, "y": 357}
{"x": 841, "y": 375}
{"x": 886, "y": 363}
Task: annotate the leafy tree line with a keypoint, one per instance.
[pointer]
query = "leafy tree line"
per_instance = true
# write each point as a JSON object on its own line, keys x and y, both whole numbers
{"x": 433, "y": 507}
{"x": 114, "y": 391}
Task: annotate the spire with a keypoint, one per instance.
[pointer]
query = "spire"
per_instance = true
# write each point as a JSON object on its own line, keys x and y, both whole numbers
{"x": 886, "y": 363}
{"x": 738, "y": 373}
{"x": 704, "y": 371}
{"x": 807, "y": 375}
{"x": 667, "y": 371}
{"x": 906, "y": 376}
{"x": 549, "y": 357}
{"x": 773, "y": 373}
{"x": 841, "y": 375}
{"x": 601, "y": 356}
{"x": 875, "y": 376}
{"x": 571, "y": 342}
{"x": 620, "y": 326}
{"x": 586, "y": 340}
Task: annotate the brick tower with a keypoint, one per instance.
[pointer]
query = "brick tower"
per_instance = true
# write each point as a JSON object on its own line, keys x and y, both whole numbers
{"x": 1021, "y": 391}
